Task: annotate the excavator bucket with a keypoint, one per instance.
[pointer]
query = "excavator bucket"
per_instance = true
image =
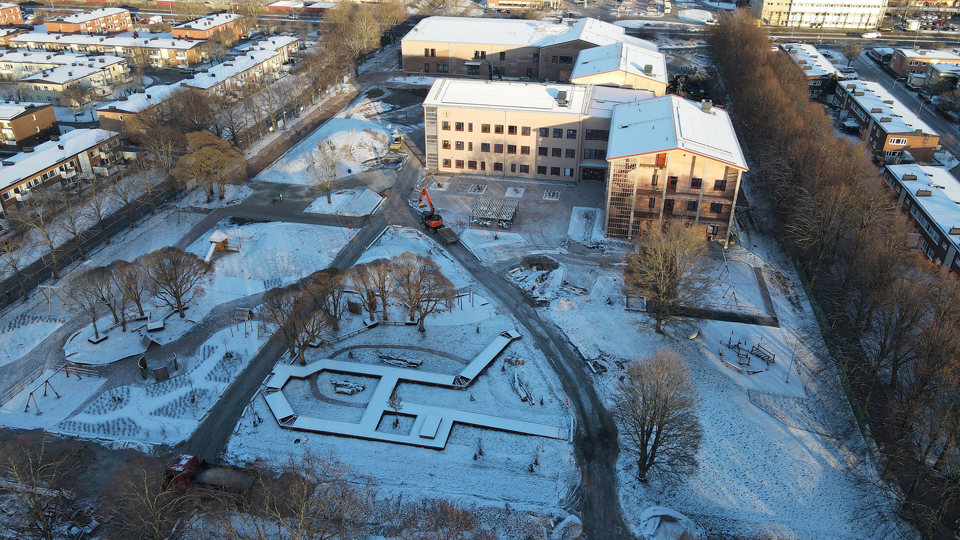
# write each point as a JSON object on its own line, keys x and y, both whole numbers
{"x": 421, "y": 204}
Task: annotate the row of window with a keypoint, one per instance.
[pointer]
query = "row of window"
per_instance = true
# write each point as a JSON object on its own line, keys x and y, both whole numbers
{"x": 715, "y": 208}
{"x": 695, "y": 183}
{"x": 558, "y": 133}
{"x": 472, "y": 165}
{"x": 570, "y": 153}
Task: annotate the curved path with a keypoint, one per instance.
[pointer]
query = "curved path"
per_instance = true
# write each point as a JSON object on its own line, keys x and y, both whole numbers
{"x": 450, "y": 356}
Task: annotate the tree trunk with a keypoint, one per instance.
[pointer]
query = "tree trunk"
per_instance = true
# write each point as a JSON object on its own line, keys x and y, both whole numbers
{"x": 420, "y": 325}
{"x": 96, "y": 333}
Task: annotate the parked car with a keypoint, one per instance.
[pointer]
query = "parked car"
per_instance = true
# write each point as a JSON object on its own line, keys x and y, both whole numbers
{"x": 870, "y": 35}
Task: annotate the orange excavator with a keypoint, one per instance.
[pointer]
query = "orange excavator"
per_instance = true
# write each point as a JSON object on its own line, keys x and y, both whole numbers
{"x": 430, "y": 218}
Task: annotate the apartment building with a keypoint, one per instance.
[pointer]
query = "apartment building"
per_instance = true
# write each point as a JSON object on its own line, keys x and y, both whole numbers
{"x": 227, "y": 24}
{"x": 248, "y": 70}
{"x": 624, "y": 65}
{"x": 19, "y": 64}
{"x": 81, "y": 153}
{"x": 99, "y": 21}
{"x": 288, "y": 46}
{"x": 889, "y": 127}
{"x": 520, "y": 4}
{"x": 690, "y": 170}
{"x": 24, "y": 124}
{"x": 816, "y": 68}
{"x": 937, "y": 73}
{"x": 845, "y": 14}
{"x": 917, "y": 61}
{"x": 521, "y": 129}
{"x": 55, "y": 85}
{"x": 931, "y": 197}
{"x": 156, "y": 50}
{"x": 10, "y": 14}
{"x": 507, "y": 48}
{"x": 126, "y": 115}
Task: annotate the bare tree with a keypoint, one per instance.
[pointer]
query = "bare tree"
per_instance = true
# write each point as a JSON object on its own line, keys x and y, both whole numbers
{"x": 165, "y": 145}
{"x": 323, "y": 168}
{"x": 96, "y": 208}
{"x": 327, "y": 289}
{"x": 33, "y": 484}
{"x": 14, "y": 250}
{"x": 132, "y": 282}
{"x": 373, "y": 283}
{"x": 667, "y": 269}
{"x": 37, "y": 213}
{"x": 395, "y": 401}
{"x": 656, "y": 407}
{"x": 173, "y": 276}
{"x": 141, "y": 504}
{"x": 421, "y": 286}
{"x": 83, "y": 292}
{"x": 124, "y": 191}
{"x": 851, "y": 51}
{"x": 212, "y": 162}
{"x": 440, "y": 519}
{"x": 362, "y": 35}
{"x": 72, "y": 219}
{"x": 298, "y": 323}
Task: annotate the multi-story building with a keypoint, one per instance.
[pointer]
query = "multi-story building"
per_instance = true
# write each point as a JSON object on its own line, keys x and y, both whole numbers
{"x": 10, "y": 14}
{"x": 55, "y": 85}
{"x": 207, "y": 27}
{"x": 19, "y": 64}
{"x": 81, "y": 153}
{"x": 507, "y": 48}
{"x": 672, "y": 158}
{"x": 520, "y": 4}
{"x": 528, "y": 130}
{"x": 126, "y": 115}
{"x": 99, "y": 21}
{"x": 247, "y": 70}
{"x": 816, "y": 68}
{"x": 25, "y": 124}
{"x": 931, "y": 197}
{"x": 904, "y": 61}
{"x": 848, "y": 14}
{"x": 889, "y": 127}
{"x": 287, "y": 46}
{"x": 156, "y": 50}
{"x": 943, "y": 73}
{"x": 624, "y": 65}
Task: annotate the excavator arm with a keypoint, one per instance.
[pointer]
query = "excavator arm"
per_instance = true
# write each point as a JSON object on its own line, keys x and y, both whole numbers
{"x": 424, "y": 194}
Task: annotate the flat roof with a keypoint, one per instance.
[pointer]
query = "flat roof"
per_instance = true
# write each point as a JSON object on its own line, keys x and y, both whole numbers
{"x": 944, "y": 68}
{"x": 210, "y": 21}
{"x": 64, "y": 74}
{"x": 57, "y": 58}
{"x": 9, "y": 111}
{"x": 48, "y": 154}
{"x": 138, "y": 101}
{"x": 624, "y": 57}
{"x": 809, "y": 59}
{"x": 880, "y": 104}
{"x": 942, "y": 206}
{"x": 4, "y": 5}
{"x": 272, "y": 43}
{"x": 222, "y": 72}
{"x": 933, "y": 54}
{"x": 124, "y": 39}
{"x": 669, "y": 123}
{"x": 87, "y": 16}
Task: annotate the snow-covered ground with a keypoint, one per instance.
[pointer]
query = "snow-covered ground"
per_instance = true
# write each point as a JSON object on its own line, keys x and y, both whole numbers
{"x": 232, "y": 195}
{"x": 48, "y": 399}
{"x": 67, "y": 114}
{"x": 347, "y": 202}
{"x": 19, "y": 334}
{"x": 696, "y": 15}
{"x": 586, "y": 225}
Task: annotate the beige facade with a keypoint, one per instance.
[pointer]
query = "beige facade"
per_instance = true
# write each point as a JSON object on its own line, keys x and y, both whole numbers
{"x": 849, "y": 14}
{"x": 624, "y": 65}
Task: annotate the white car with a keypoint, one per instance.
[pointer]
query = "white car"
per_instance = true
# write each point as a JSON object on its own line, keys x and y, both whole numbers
{"x": 870, "y": 35}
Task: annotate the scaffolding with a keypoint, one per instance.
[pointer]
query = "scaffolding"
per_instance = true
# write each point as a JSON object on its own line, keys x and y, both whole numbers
{"x": 488, "y": 211}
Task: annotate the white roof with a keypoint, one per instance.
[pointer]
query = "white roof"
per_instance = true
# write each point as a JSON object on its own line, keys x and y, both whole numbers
{"x": 137, "y": 102}
{"x": 518, "y": 32}
{"x": 620, "y": 57}
{"x": 9, "y": 111}
{"x": 222, "y": 72}
{"x": 930, "y": 54}
{"x": 287, "y": 3}
{"x": 944, "y": 68}
{"x": 943, "y": 205}
{"x": 813, "y": 64}
{"x": 91, "y": 15}
{"x": 210, "y": 21}
{"x": 670, "y": 122}
{"x": 883, "y": 51}
{"x": 5, "y": 5}
{"x": 58, "y": 58}
{"x": 125, "y": 39}
{"x": 529, "y": 96}
{"x": 64, "y": 74}
{"x": 876, "y": 98}
{"x": 272, "y": 43}
{"x": 49, "y": 154}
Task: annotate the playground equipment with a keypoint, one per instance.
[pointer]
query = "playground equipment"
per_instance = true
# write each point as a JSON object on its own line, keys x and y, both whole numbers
{"x": 744, "y": 351}
{"x": 219, "y": 241}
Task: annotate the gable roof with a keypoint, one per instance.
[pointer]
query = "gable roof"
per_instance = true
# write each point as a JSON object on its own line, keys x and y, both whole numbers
{"x": 50, "y": 153}
{"x": 624, "y": 57}
{"x": 673, "y": 123}
{"x": 138, "y": 102}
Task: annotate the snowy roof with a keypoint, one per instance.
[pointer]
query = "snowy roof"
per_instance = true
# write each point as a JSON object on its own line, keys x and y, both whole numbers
{"x": 529, "y": 97}
{"x": 222, "y": 72}
{"x": 137, "y": 102}
{"x": 61, "y": 59}
{"x": 930, "y": 54}
{"x": 125, "y": 39}
{"x": 939, "y": 70}
{"x": 210, "y": 21}
{"x": 218, "y": 236}
{"x": 48, "y": 154}
{"x": 64, "y": 74}
{"x": 883, "y": 51}
{"x": 670, "y": 122}
{"x": 621, "y": 57}
{"x": 876, "y": 98}
{"x": 91, "y": 15}
{"x": 519, "y": 32}
{"x": 809, "y": 59}
{"x": 9, "y": 111}
{"x": 5, "y": 5}
{"x": 286, "y": 3}
{"x": 941, "y": 200}
{"x": 272, "y": 43}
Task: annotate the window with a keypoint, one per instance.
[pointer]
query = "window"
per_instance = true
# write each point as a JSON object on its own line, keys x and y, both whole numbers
{"x": 503, "y": 56}
{"x": 691, "y": 206}
{"x": 445, "y": 126}
{"x": 525, "y": 131}
{"x": 513, "y": 167}
{"x": 459, "y": 163}
{"x": 652, "y": 202}
{"x": 498, "y": 149}
{"x": 557, "y": 133}
{"x": 544, "y": 132}
{"x": 594, "y": 153}
{"x": 596, "y": 135}
{"x": 554, "y": 171}
{"x": 446, "y": 163}
{"x": 458, "y": 145}
{"x": 896, "y": 140}
{"x": 498, "y": 129}
{"x": 470, "y": 126}
{"x": 445, "y": 145}
{"x": 525, "y": 150}
{"x": 529, "y": 73}
{"x": 498, "y": 166}
{"x": 426, "y": 68}
{"x": 472, "y": 165}
{"x": 484, "y": 128}
{"x": 480, "y": 54}
{"x": 536, "y": 57}
{"x": 429, "y": 52}
{"x": 570, "y": 153}
{"x": 525, "y": 169}
{"x": 716, "y": 208}
{"x": 553, "y": 60}
{"x": 470, "y": 146}
{"x": 458, "y": 126}
{"x": 511, "y": 130}
{"x": 483, "y": 165}
{"x": 556, "y": 152}
{"x": 695, "y": 183}
{"x": 653, "y": 181}
{"x": 443, "y": 68}
{"x": 473, "y": 70}
{"x": 541, "y": 169}
{"x": 720, "y": 185}
{"x": 511, "y": 149}
{"x": 566, "y": 60}
{"x": 542, "y": 151}
{"x": 571, "y": 134}
{"x": 568, "y": 172}
{"x": 484, "y": 147}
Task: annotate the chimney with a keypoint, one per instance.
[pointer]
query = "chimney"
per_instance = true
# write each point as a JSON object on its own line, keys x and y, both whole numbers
{"x": 648, "y": 69}
{"x": 907, "y": 177}
{"x": 924, "y": 193}
{"x": 60, "y": 146}
{"x": 706, "y": 105}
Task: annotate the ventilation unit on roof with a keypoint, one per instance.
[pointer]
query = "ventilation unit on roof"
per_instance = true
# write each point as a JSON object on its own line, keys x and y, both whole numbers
{"x": 562, "y": 98}
{"x": 648, "y": 69}
{"x": 858, "y": 94}
{"x": 876, "y": 110}
{"x": 706, "y": 105}
{"x": 60, "y": 146}
{"x": 122, "y": 98}
{"x": 851, "y": 87}
{"x": 27, "y": 149}
{"x": 907, "y": 177}
{"x": 924, "y": 193}
{"x": 54, "y": 137}
{"x": 888, "y": 101}
{"x": 954, "y": 230}
{"x": 7, "y": 163}
{"x": 886, "y": 119}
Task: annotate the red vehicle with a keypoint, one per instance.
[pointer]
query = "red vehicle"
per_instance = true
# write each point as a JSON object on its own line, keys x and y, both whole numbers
{"x": 186, "y": 470}
{"x": 431, "y": 219}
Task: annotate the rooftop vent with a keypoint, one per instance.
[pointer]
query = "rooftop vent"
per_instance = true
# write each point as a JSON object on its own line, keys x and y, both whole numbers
{"x": 54, "y": 137}
{"x": 888, "y": 101}
{"x": 858, "y": 94}
{"x": 876, "y": 110}
{"x": 706, "y": 105}
{"x": 122, "y": 98}
{"x": 60, "y": 146}
{"x": 648, "y": 69}
{"x": 908, "y": 177}
{"x": 562, "y": 98}
{"x": 954, "y": 230}
{"x": 924, "y": 193}
{"x": 886, "y": 119}
{"x": 27, "y": 149}
{"x": 7, "y": 163}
